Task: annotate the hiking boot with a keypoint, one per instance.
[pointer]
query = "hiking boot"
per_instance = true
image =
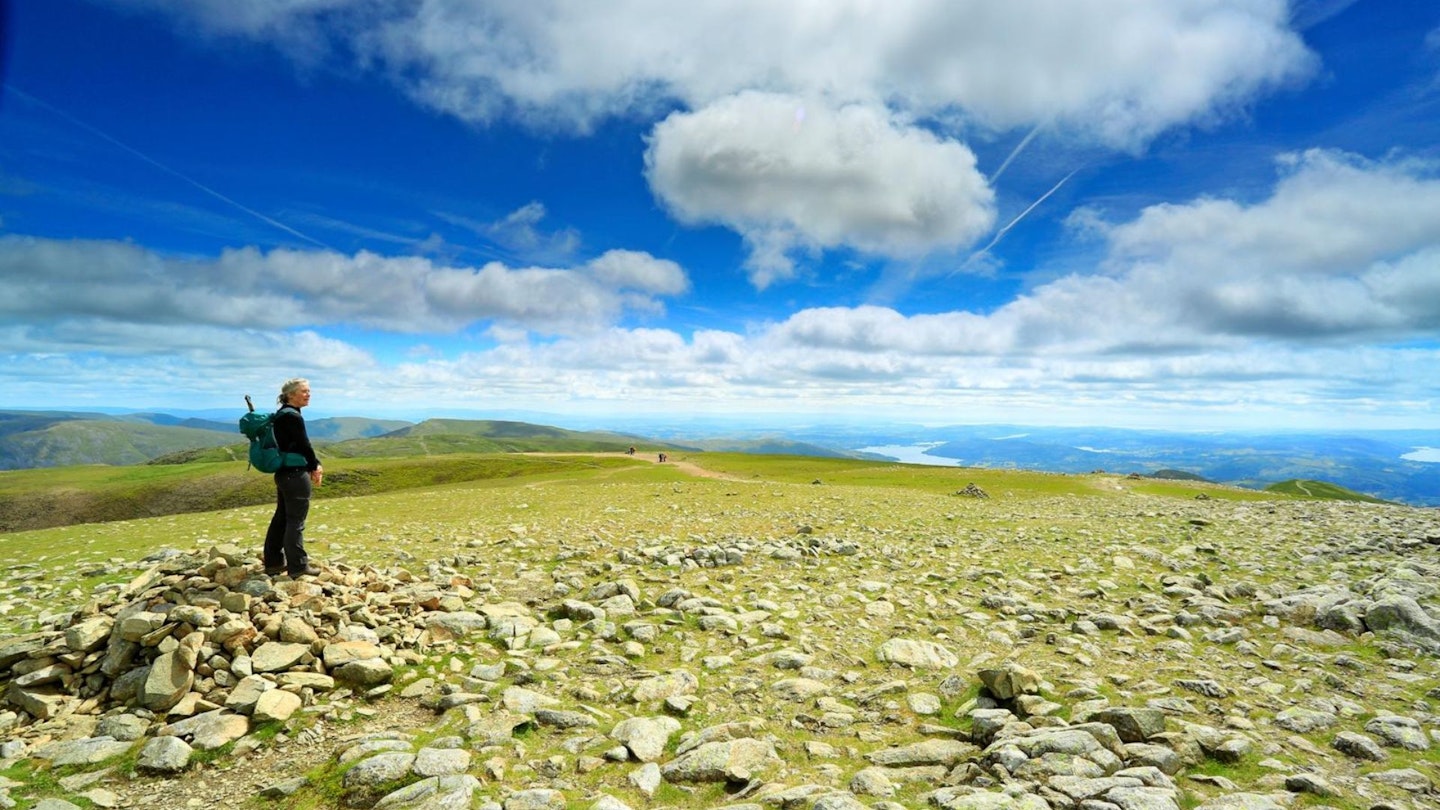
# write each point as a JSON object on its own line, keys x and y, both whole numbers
{"x": 274, "y": 570}
{"x": 307, "y": 571}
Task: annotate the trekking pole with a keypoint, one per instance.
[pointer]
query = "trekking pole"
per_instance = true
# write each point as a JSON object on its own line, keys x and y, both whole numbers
{"x": 249, "y": 404}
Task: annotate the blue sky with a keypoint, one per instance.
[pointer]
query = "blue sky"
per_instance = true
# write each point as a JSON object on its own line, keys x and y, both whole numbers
{"x": 1215, "y": 213}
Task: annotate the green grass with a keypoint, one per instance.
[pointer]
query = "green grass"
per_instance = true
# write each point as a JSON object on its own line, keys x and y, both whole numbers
{"x": 946, "y": 480}
{"x": 1180, "y": 489}
{"x": 212, "y": 480}
{"x": 58, "y": 496}
{"x": 40, "y": 783}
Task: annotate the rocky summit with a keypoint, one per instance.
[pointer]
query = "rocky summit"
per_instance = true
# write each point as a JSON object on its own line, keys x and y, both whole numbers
{"x": 758, "y": 646}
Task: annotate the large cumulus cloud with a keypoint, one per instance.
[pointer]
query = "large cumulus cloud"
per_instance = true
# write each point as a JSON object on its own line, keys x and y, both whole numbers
{"x": 1117, "y": 71}
{"x": 787, "y": 175}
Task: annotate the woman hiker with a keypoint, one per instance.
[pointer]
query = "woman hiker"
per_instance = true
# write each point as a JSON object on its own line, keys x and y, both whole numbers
{"x": 294, "y": 481}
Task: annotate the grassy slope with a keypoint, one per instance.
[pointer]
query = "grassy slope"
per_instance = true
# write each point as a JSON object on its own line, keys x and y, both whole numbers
{"x": 1320, "y": 489}
{"x": 31, "y": 499}
{"x": 948, "y": 480}
{"x": 224, "y": 503}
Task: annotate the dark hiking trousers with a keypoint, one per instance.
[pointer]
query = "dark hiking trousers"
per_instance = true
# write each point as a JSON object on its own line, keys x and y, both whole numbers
{"x": 285, "y": 539}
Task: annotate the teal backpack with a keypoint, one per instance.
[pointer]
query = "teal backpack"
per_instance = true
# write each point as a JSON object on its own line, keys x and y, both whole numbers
{"x": 265, "y": 454}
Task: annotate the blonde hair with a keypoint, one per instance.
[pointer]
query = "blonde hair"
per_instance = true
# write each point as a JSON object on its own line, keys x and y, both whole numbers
{"x": 291, "y": 386}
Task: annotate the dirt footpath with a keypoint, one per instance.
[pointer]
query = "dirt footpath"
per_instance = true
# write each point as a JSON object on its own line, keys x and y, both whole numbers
{"x": 687, "y": 467}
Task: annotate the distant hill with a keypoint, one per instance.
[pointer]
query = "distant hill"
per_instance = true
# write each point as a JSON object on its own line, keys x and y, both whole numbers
{"x": 341, "y": 428}
{"x": 1320, "y": 489}
{"x": 1179, "y": 475}
{"x": 30, "y": 439}
{"x": 770, "y": 446}
{"x": 166, "y": 420}
{"x": 330, "y": 429}
{"x": 445, "y": 436}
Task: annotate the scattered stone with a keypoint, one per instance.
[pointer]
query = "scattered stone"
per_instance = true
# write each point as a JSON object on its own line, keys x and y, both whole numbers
{"x": 1359, "y": 746}
{"x": 275, "y": 706}
{"x": 737, "y": 760}
{"x": 1134, "y": 725}
{"x": 646, "y": 778}
{"x": 929, "y": 752}
{"x": 1309, "y": 783}
{"x": 164, "y": 756}
{"x": 645, "y": 737}
{"x": 1400, "y": 732}
{"x": 448, "y": 792}
{"x": 1010, "y": 681}
{"x": 209, "y": 730}
{"x": 917, "y": 654}
{"x": 563, "y": 642}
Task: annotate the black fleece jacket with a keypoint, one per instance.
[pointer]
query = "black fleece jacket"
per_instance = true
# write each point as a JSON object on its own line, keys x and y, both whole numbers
{"x": 290, "y": 436}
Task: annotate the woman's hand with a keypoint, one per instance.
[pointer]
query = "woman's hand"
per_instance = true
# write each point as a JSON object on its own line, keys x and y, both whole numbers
{"x": 316, "y": 475}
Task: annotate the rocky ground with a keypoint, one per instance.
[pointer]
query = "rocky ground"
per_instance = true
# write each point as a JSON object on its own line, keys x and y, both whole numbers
{"x": 728, "y": 644}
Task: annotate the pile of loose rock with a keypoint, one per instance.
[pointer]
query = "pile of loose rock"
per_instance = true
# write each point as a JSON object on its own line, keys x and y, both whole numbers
{"x": 828, "y": 669}
{"x": 205, "y": 647}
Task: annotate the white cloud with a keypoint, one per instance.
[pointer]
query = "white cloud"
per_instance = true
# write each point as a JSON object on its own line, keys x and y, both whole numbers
{"x": 635, "y": 371}
{"x": 1330, "y": 213}
{"x": 43, "y": 280}
{"x": 637, "y": 270}
{"x": 798, "y": 126}
{"x": 1342, "y": 251}
{"x": 791, "y": 175}
{"x": 1215, "y": 303}
{"x": 115, "y": 364}
{"x": 1341, "y": 247}
{"x": 1118, "y": 71}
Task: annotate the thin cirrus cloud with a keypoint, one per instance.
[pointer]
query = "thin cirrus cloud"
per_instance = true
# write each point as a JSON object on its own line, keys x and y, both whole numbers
{"x": 48, "y": 280}
{"x": 520, "y": 233}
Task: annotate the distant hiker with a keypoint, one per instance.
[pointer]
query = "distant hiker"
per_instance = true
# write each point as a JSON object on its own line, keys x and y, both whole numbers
{"x": 294, "y": 481}
{"x": 662, "y": 458}
{"x": 630, "y": 452}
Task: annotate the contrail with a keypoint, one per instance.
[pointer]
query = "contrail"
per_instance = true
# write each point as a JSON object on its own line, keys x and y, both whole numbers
{"x": 1001, "y": 233}
{"x": 162, "y": 167}
{"x": 1019, "y": 147}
